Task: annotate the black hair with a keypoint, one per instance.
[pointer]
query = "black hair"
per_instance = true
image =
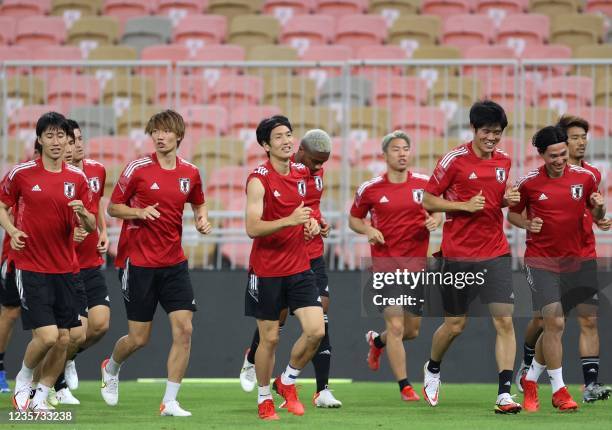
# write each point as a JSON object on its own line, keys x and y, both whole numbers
{"x": 487, "y": 112}
{"x": 73, "y": 124}
{"x": 37, "y": 147}
{"x": 51, "y": 120}
{"x": 265, "y": 127}
{"x": 70, "y": 132}
{"x": 547, "y": 136}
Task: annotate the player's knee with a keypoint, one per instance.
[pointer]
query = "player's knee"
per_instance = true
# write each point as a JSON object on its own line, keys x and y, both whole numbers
{"x": 184, "y": 330}
{"x": 411, "y": 333}
{"x": 554, "y": 325}
{"x": 588, "y": 323}
{"x": 315, "y": 334}
{"x": 456, "y": 326}
{"x": 270, "y": 341}
{"x": 139, "y": 340}
{"x": 395, "y": 329}
{"x": 504, "y": 325}
{"x": 63, "y": 338}
{"x": 48, "y": 339}
{"x": 10, "y": 313}
{"x": 98, "y": 329}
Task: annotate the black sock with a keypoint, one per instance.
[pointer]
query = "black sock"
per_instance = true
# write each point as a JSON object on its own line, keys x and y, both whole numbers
{"x": 505, "y": 381}
{"x": 528, "y": 354}
{"x": 1, "y": 361}
{"x": 403, "y": 383}
{"x": 322, "y": 361}
{"x": 433, "y": 366}
{"x": 590, "y": 369}
{"x": 60, "y": 383}
{"x": 378, "y": 343}
{"x": 253, "y": 348}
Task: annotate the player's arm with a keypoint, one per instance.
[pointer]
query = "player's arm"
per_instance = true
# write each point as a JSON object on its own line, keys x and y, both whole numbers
{"x": 200, "y": 216}
{"x": 598, "y": 206}
{"x": 255, "y": 226}
{"x": 433, "y": 203}
{"x": 512, "y": 196}
{"x": 103, "y": 244}
{"x": 87, "y": 220}
{"x": 433, "y": 221}
{"x": 123, "y": 211}
{"x": 520, "y": 220}
{"x": 16, "y": 235}
{"x": 358, "y": 225}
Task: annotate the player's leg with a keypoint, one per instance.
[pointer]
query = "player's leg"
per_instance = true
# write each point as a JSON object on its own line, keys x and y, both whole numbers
{"x": 51, "y": 367}
{"x": 532, "y": 333}
{"x": 8, "y": 316}
{"x": 97, "y": 326}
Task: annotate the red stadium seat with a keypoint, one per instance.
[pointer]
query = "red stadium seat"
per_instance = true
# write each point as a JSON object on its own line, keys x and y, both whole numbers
{"x": 325, "y": 53}
{"x": 174, "y": 53}
{"x": 508, "y": 6}
{"x": 244, "y": 120}
{"x": 566, "y": 92}
{"x": 304, "y": 31}
{"x": 182, "y": 91}
{"x": 37, "y": 31}
{"x": 71, "y": 91}
{"x": 24, "y": 8}
{"x": 14, "y": 53}
{"x": 420, "y": 121}
{"x": 501, "y": 89}
{"x": 370, "y": 151}
{"x": 195, "y": 31}
{"x": 284, "y": 10}
{"x": 204, "y": 121}
{"x": 603, "y": 6}
{"x": 217, "y": 53}
{"x": 8, "y": 29}
{"x": 111, "y": 150}
{"x": 376, "y": 52}
{"x": 464, "y": 31}
{"x": 56, "y": 53}
{"x": 599, "y": 118}
{"x": 124, "y": 10}
{"x": 238, "y": 253}
{"x": 547, "y": 52}
{"x": 492, "y": 52}
{"x": 340, "y": 8}
{"x": 358, "y": 30}
{"x": 445, "y": 8}
{"x": 22, "y": 123}
{"x": 392, "y": 93}
{"x": 231, "y": 91}
{"x": 255, "y": 155}
{"x": 180, "y": 9}
{"x": 519, "y": 30}
{"x": 227, "y": 179}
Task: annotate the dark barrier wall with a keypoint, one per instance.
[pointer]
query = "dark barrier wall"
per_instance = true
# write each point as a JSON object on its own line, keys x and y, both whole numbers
{"x": 222, "y": 333}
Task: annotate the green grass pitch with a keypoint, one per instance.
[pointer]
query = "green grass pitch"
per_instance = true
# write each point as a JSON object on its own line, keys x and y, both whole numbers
{"x": 366, "y": 406}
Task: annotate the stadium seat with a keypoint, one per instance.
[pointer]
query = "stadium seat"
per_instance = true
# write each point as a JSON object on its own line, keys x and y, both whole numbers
{"x": 376, "y": 52}
{"x": 285, "y": 10}
{"x": 227, "y": 179}
{"x": 464, "y": 31}
{"x": 332, "y": 92}
{"x": 22, "y": 123}
{"x": 227, "y": 147}
{"x": 597, "y": 72}
{"x": 204, "y": 121}
{"x": 431, "y": 73}
{"x": 420, "y": 122}
{"x": 172, "y": 52}
{"x": 209, "y": 159}
{"x": 395, "y": 92}
{"x": 458, "y": 126}
{"x": 426, "y": 156}
{"x": 17, "y": 150}
{"x": 196, "y": 31}
{"x": 394, "y": 8}
{"x": 304, "y": 118}
{"x": 359, "y": 30}
{"x": 70, "y": 91}
{"x": 414, "y": 31}
{"x": 255, "y": 155}
{"x": 543, "y": 52}
{"x": 94, "y": 121}
{"x": 597, "y": 147}
{"x": 36, "y": 31}
{"x": 369, "y": 152}
{"x": 254, "y": 30}
{"x": 603, "y": 92}
{"x": 124, "y": 10}
{"x": 14, "y": 53}
{"x": 339, "y": 8}
{"x": 518, "y": 30}
{"x": 217, "y": 53}
{"x": 603, "y": 6}
{"x": 285, "y": 91}
{"x": 325, "y": 53}
{"x": 111, "y": 53}
{"x": 453, "y": 93}
{"x": 233, "y": 8}
{"x": 178, "y": 10}
{"x": 335, "y": 183}
{"x": 507, "y": 6}
{"x": 554, "y": 7}
{"x": 237, "y": 254}
{"x": 501, "y": 89}
{"x": 599, "y": 118}
{"x": 575, "y": 30}
{"x": 24, "y": 8}
{"x": 278, "y": 53}
{"x": 231, "y": 91}
{"x": 200, "y": 255}
{"x": 565, "y": 93}
{"x": 122, "y": 92}
{"x": 535, "y": 119}
{"x": 368, "y": 122}
{"x": 181, "y": 91}
{"x": 133, "y": 121}
{"x": 445, "y": 8}
{"x": 146, "y": 31}
{"x": 23, "y": 91}
{"x": 90, "y": 32}
{"x": 489, "y": 52}
{"x": 243, "y": 120}
{"x": 304, "y": 31}
{"x": 8, "y": 29}
{"x": 76, "y": 7}
{"x": 110, "y": 150}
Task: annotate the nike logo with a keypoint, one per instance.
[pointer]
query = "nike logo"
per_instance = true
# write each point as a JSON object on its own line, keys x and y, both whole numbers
{"x": 543, "y": 197}
{"x": 36, "y": 188}
{"x": 155, "y": 186}
{"x": 473, "y": 176}
{"x": 384, "y": 199}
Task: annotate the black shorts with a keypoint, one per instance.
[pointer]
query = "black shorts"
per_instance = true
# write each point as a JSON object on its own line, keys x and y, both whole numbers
{"x": 265, "y": 298}
{"x": 568, "y": 288}
{"x": 48, "y": 299}
{"x": 318, "y": 266}
{"x": 492, "y": 282}
{"x": 9, "y": 296}
{"x": 95, "y": 287}
{"x": 409, "y": 298}
{"x": 144, "y": 287}
{"x": 80, "y": 298}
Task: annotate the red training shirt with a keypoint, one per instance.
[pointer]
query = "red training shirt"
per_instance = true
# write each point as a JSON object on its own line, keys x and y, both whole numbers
{"x": 588, "y": 250}
{"x": 87, "y": 251}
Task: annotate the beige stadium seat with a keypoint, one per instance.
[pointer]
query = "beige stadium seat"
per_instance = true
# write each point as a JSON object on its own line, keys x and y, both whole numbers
{"x": 200, "y": 255}
{"x": 212, "y": 153}
{"x": 593, "y": 52}
{"x": 112, "y": 53}
{"x": 430, "y": 151}
{"x": 374, "y": 121}
{"x": 135, "y": 118}
{"x": 603, "y": 92}
{"x": 575, "y": 30}
{"x": 413, "y": 31}
{"x": 85, "y": 7}
{"x": 334, "y": 182}
{"x": 554, "y": 7}
{"x": 254, "y": 30}
{"x": 462, "y": 91}
{"x": 104, "y": 30}
{"x": 233, "y": 8}
{"x": 535, "y": 119}
{"x": 435, "y": 53}
{"x": 30, "y": 90}
{"x": 286, "y": 91}
{"x": 264, "y": 53}
{"x": 399, "y": 7}
{"x": 138, "y": 89}
{"x": 304, "y": 118}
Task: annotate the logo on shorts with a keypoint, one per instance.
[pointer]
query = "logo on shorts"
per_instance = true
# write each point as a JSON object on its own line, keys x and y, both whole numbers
{"x": 318, "y": 183}
{"x": 94, "y": 184}
{"x": 500, "y": 174}
{"x": 69, "y": 189}
{"x": 417, "y": 195}
{"x": 301, "y": 188}
{"x": 184, "y": 185}
{"x": 253, "y": 287}
{"x": 576, "y": 191}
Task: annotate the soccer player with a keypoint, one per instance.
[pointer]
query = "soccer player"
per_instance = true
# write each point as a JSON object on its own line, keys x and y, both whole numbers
{"x": 280, "y": 275}
{"x": 91, "y": 248}
{"x": 399, "y": 239}
{"x": 555, "y": 197}
{"x": 469, "y": 185}
{"x": 314, "y": 151}
{"x": 150, "y": 197}
{"x": 53, "y": 198}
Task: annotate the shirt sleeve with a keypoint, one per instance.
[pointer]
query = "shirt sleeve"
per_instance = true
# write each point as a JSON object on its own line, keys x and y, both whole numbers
{"x": 591, "y": 187}
{"x": 85, "y": 195}
{"x": 125, "y": 188}
{"x": 102, "y": 180}
{"x": 9, "y": 190}
{"x": 196, "y": 194}
{"x": 361, "y": 205}
{"x": 441, "y": 178}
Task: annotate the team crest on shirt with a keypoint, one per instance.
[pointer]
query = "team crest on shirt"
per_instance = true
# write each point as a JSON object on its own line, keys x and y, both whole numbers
{"x": 301, "y": 185}
{"x": 576, "y": 191}
{"x": 417, "y": 195}
{"x": 69, "y": 189}
{"x": 500, "y": 174}
{"x": 318, "y": 183}
{"x": 184, "y": 185}
{"x": 94, "y": 184}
